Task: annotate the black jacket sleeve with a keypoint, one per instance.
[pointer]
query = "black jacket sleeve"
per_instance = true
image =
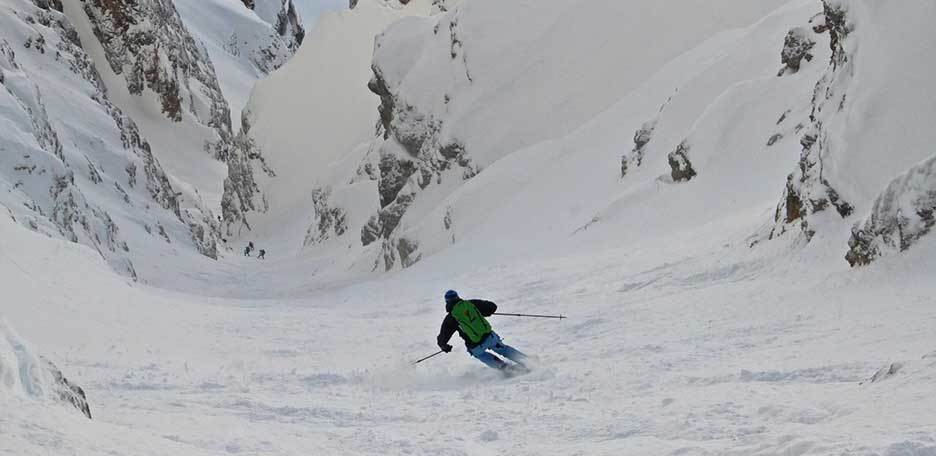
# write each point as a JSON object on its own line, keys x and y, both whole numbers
{"x": 449, "y": 326}
{"x": 487, "y": 308}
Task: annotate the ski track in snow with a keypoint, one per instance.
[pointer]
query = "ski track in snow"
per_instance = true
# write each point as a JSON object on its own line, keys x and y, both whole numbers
{"x": 686, "y": 352}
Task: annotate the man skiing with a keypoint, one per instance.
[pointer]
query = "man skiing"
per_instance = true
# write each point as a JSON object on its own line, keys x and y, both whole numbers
{"x": 467, "y": 317}
{"x": 261, "y": 254}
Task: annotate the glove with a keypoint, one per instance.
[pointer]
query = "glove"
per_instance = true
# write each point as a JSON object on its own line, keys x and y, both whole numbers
{"x": 446, "y": 348}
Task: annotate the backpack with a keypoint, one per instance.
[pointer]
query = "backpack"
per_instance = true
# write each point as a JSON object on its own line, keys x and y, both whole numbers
{"x": 470, "y": 321}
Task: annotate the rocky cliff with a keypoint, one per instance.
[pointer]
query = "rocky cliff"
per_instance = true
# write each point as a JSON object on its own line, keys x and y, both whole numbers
{"x": 76, "y": 166}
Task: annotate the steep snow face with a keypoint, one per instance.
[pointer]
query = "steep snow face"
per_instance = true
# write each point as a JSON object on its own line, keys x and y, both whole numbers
{"x": 312, "y": 120}
{"x": 463, "y": 90}
{"x": 459, "y": 92}
{"x": 72, "y": 163}
{"x": 479, "y": 116}
{"x": 244, "y": 45}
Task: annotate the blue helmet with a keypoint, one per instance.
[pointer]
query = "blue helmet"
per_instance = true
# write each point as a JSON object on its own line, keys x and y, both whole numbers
{"x": 451, "y": 296}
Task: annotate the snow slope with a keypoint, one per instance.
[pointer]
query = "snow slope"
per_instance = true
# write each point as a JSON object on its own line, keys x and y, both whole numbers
{"x": 711, "y": 313}
{"x": 446, "y": 110}
{"x": 244, "y": 46}
{"x": 309, "y": 118}
{"x": 672, "y": 347}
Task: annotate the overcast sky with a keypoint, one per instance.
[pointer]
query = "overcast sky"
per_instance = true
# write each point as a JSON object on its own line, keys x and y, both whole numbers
{"x": 310, "y": 9}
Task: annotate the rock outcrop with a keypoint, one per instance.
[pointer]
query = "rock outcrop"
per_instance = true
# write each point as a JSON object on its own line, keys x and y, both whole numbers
{"x": 241, "y": 192}
{"x": 288, "y": 32}
{"x": 797, "y": 46}
{"x": 329, "y": 221}
{"x": 66, "y": 391}
{"x": 903, "y": 213}
{"x": 642, "y": 138}
{"x": 681, "y": 169}
{"x": 807, "y": 191}
{"x": 413, "y": 155}
{"x": 147, "y": 43}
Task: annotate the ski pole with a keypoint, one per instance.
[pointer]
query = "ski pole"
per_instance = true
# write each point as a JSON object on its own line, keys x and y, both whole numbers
{"x": 430, "y": 356}
{"x": 531, "y": 316}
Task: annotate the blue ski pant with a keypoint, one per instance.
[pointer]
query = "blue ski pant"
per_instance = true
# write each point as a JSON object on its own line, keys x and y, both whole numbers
{"x": 494, "y": 343}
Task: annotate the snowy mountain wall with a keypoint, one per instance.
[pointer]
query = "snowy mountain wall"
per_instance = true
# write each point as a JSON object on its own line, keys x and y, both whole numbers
{"x": 444, "y": 118}
{"x": 245, "y": 43}
{"x": 118, "y": 125}
{"x": 499, "y": 131}
{"x": 74, "y": 164}
{"x": 312, "y": 120}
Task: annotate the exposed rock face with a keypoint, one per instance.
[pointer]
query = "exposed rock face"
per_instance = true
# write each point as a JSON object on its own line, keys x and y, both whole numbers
{"x": 642, "y": 137}
{"x": 903, "y": 213}
{"x": 403, "y": 249}
{"x": 412, "y": 157}
{"x": 241, "y": 192}
{"x": 147, "y": 43}
{"x": 329, "y": 220}
{"x": 370, "y": 232}
{"x": 265, "y": 50}
{"x": 59, "y": 185}
{"x": 394, "y": 173}
{"x": 67, "y": 391}
{"x": 681, "y": 167}
{"x": 837, "y": 24}
{"x": 797, "y": 46}
{"x": 408, "y": 252}
{"x": 287, "y": 25}
{"x": 807, "y": 191}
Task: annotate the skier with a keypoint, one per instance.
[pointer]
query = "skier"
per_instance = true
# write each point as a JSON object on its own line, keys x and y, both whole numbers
{"x": 247, "y": 251}
{"x": 261, "y": 254}
{"x": 467, "y": 317}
